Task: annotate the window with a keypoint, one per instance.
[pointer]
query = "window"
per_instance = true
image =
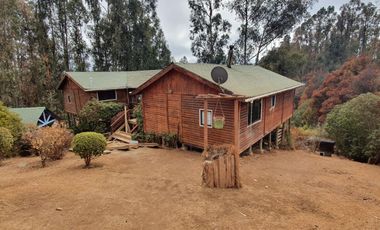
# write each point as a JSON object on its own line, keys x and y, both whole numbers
{"x": 69, "y": 98}
{"x": 254, "y": 111}
{"x": 202, "y": 118}
{"x": 273, "y": 101}
{"x": 108, "y": 95}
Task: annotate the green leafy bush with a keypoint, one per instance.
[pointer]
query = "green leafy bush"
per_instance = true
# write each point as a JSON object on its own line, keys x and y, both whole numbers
{"x": 305, "y": 115}
{"x": 96, "y": 116}
{"x": 11, "y": 121}
{"x": 6, "y": 142}
{"x": 88, "y": 145}
{"x": 354, "y": 126}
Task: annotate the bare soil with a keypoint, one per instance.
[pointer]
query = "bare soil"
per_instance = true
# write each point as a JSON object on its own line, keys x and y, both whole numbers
{"x": 160, "y": 189}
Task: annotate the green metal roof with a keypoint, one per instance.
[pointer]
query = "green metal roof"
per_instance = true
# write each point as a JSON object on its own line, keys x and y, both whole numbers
{"x": 29, "y": 115}
{"x": 247, "y": 80}
{"x": 94, "y": 81}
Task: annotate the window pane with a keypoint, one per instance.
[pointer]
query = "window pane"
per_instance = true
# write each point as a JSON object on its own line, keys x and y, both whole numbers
{"x": 106, "y": 95}
{"x": 202, "y": 118}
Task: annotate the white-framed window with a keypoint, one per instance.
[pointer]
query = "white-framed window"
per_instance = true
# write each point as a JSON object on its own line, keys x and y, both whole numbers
{"x": 202, "y": 118}
{"x": 107, "y": 95}
{"x": 254, "y": 111}
{"x": 273, "y": 100}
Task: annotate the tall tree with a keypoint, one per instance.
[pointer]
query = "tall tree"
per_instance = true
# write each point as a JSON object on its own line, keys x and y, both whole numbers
{"x": 263, "y": 21}
{"x": 209, "y": 31}
{"x": 77, "y": 16}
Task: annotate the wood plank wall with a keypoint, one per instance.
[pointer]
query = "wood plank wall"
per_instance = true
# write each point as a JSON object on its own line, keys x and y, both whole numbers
{"x": 163, "y": 102}
{"x": 271, "y": 118}
{"x": 79, "y": 97}
{"x": 170, "y": 106}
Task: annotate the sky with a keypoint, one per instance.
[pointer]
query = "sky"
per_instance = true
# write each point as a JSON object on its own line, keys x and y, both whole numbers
{"x": 175, "y": 21}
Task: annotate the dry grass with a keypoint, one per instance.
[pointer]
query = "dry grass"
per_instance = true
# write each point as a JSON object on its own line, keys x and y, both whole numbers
{"x": 161, "y": 189}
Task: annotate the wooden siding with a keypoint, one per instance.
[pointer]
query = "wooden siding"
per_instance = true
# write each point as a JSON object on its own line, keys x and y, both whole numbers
{"x": 79, "y": 97}
{"x": 192, "y": 132}
{"x": 163, "y": 103}
{"x": 170, "y": 106}
{"x": 270, "y": 120}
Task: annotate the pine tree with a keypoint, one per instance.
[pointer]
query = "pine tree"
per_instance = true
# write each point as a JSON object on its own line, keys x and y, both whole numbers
{"x": 209, "y": 31}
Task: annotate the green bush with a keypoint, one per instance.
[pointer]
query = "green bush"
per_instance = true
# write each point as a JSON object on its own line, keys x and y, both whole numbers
{"x": 6, "y": 142}
{"x": 354, "y": 126}
{"x": 305, "y": 115}
{"x": 96, "y": 116}
{"x": 11, "y": 121}
{"x": 88, "y": 145}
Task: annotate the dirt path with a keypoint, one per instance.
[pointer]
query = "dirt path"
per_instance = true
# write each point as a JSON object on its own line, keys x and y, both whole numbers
{"x": 160, "y": 189}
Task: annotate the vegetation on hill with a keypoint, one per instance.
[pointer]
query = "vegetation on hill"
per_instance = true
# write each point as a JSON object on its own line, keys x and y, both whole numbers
{"x": 40, "y": 39}
{"x": 355, "y": 125}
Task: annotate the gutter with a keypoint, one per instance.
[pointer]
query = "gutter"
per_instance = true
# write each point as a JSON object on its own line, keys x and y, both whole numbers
{"x": 271, "y": 93}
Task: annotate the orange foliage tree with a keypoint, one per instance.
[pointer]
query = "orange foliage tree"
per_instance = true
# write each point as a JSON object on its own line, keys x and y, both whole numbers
{"x": 356, "y": 76}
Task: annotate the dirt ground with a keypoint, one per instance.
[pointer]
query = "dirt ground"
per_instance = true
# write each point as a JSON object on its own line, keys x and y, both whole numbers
{"x": 160, "y": 189}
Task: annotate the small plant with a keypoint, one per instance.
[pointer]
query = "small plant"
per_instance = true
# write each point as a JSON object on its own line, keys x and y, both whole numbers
{"x": 51, "y": 143}
{"x": 170, "y": 140}
{"x": 89, "y": 145}
{"x": 6, "y": 142}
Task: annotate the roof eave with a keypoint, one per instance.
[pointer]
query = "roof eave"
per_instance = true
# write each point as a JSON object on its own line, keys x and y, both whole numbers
{"x": 249, "y": 99}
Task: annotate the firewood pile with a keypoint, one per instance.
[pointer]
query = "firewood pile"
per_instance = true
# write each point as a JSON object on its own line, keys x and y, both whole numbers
{"x": 221, "y": 167}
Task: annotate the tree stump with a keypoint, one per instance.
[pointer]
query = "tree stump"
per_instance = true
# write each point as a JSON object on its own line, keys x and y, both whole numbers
{"x": 220, "y": 168}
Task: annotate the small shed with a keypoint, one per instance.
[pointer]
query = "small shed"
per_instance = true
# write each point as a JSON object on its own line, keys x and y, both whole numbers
{"x": 39, "y": 116}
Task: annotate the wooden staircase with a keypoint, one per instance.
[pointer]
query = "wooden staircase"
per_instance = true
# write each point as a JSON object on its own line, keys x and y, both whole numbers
{"x": 118, "y": 121}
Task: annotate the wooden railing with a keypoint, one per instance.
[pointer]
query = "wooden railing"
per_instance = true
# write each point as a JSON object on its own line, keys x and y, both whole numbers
{"x": 117, "y": 121}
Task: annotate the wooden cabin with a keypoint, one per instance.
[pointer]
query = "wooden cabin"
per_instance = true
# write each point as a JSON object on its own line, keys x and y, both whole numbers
{"x": 253, "y": 101}
{"x": 80, "y": 87}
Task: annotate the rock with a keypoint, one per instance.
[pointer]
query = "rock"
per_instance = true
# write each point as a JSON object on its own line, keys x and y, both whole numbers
{"x": 106, "y": 152}
{"x": 59, "y": 209}
{"x": 266, "y": 187}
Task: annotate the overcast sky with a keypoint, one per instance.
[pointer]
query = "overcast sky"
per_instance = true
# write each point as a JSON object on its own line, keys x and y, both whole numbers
{"x": 175, "y": 21}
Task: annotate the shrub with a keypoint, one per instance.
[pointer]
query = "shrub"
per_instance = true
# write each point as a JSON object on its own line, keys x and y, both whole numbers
{"x": 24, "y": 145}
{"x": 50, "y": 143}
{"x": 6, "y": 142}
{"x": 11, "y": 121}
{"x": 96, "y": 116}
{"x": 88, "y": 145}
{"x": 353, "y": 125}
{"x": 305, "y": 115}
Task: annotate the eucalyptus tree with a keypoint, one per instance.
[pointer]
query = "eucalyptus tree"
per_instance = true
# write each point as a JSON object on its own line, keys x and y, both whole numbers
{"x": 209, "y": 32}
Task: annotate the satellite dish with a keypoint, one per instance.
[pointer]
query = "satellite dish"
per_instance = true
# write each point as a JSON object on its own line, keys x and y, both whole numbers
{"x": 219, "y": 75}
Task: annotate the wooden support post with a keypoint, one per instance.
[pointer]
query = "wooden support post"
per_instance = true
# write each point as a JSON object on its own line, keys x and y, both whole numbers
{"x": 205, "y": 128}
{"x": 126, "y": 119}
{"x": 250, "y": 150}
{"x": 237, "y": 142}
{"x": 270, "y": 141}
{"x": 261, "y": 146}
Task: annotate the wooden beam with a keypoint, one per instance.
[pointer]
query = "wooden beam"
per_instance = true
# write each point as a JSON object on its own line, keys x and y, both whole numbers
{"x": 237, "y": 142}
{"x": 236, "y": 126}
{"x": 205, "y": 128}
